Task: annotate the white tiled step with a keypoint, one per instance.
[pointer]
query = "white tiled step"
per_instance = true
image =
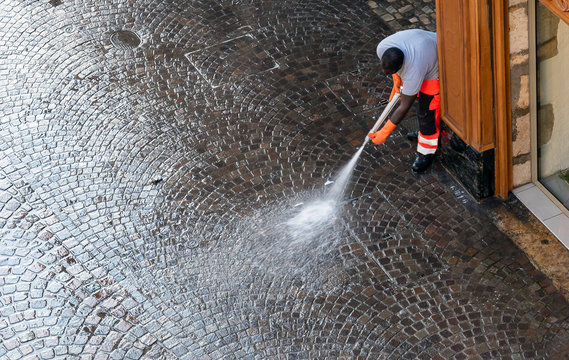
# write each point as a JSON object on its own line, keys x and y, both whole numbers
{"x": 545, "y": 210}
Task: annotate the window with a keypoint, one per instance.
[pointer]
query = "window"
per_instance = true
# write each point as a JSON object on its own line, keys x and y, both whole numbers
{"x": 552, "y": 103}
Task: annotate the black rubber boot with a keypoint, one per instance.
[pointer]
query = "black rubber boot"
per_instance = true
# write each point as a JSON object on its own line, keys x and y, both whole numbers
{"x": 422, "y": 162}
{"x": 413, "y": 135}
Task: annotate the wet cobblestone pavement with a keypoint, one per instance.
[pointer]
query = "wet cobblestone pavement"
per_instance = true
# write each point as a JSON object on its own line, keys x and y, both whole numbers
{"x": 150, "y": 150}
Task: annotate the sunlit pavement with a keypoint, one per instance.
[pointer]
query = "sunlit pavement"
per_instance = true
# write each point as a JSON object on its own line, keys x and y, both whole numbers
{"x": 151, "y": 152}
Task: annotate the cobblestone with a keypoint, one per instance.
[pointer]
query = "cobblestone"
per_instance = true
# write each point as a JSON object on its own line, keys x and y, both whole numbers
{"x": 140, "y": 186}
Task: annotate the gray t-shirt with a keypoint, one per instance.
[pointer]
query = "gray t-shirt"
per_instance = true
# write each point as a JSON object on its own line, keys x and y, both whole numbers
{"x": 420, "y": 61}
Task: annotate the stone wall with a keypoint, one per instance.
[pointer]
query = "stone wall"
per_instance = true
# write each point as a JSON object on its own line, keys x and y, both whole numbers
{"x": 520, "y": 94}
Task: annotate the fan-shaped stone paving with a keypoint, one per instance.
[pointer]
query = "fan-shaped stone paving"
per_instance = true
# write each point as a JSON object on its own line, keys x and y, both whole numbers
{"x": 152, "y": 152}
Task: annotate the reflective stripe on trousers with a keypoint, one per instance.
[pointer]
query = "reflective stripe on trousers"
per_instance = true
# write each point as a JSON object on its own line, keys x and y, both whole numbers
{"x": 428, "y": 144}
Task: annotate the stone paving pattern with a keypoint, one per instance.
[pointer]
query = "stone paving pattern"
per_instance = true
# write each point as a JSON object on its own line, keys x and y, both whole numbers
{"x": 140, "y": 185}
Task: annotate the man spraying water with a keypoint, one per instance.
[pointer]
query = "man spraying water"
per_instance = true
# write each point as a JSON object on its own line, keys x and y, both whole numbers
{"x": 410, "y": 56}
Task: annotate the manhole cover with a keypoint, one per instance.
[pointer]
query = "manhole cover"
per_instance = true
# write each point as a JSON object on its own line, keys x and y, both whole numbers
{"x": 125, "y": 39}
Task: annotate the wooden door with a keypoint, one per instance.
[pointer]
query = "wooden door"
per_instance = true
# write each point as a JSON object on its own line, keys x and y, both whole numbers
{"x": 474, "y": 76}
{"x": 465, "y": 68}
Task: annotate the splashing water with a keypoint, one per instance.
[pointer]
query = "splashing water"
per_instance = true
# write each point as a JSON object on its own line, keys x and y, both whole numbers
{"x": 343, "y": 178}
{"x": 292, "y": 244}
{"x": 316, "y": 216}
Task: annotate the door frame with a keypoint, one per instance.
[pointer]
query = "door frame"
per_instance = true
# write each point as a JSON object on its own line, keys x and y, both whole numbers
{"x": 503, "y": 180}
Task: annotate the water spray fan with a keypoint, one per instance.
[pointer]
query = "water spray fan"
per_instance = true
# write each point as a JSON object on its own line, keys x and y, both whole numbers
{"x": 383, "y": 116}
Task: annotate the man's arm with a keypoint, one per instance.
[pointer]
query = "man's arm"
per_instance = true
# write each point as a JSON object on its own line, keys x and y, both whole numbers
{"x": 405, "y": 104}
{"x": 380, "y": 136}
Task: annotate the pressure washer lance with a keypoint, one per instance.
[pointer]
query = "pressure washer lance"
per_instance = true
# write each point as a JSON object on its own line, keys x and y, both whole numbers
{"x": 383, "y": 116}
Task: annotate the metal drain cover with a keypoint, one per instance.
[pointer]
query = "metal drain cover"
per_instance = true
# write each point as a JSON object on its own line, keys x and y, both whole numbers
{"x": 125, "y": 39}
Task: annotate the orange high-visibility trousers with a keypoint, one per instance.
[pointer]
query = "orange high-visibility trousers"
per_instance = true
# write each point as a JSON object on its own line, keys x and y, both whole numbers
{"x": 429, "y": 117}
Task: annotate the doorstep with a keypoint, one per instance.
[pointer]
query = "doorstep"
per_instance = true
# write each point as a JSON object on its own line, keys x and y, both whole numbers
{"x": 545, "y": 210}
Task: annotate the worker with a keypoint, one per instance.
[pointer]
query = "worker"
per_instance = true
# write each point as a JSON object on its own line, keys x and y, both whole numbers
{"x": 410, "y": 56}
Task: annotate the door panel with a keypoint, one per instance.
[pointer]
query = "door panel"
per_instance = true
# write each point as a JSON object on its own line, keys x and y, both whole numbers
{"x": 465, "y": 68}
{"x": 452, "y": 64}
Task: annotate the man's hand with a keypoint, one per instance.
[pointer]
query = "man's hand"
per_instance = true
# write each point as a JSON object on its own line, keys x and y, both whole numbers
{"x": 397, "y": 83}
{"x": 380, "y": 136}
